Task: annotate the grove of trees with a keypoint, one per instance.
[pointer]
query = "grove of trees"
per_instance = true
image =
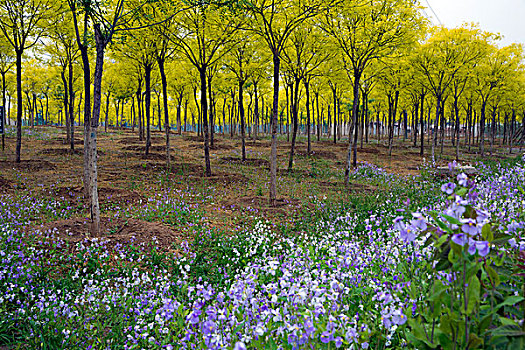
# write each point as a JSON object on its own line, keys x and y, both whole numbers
{"x": 351, "y": 71}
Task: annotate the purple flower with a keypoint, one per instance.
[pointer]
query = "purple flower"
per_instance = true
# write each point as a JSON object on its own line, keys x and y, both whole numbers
{"x": 470, "y": 227}
{"x": 408, "y": 234}
{"x": 399, "y": 224}
{"x": 338, "y": 342}
{"x": 452, "y": 165}
{"x": 309, "y": 327}
{"x": 351, "y": 335}
{"x": 455, "y": 210}
{"x": 193, "y": 317}
{"x": 459, "y": 239}
{"x": 419, "y": 221}
{"x": 208, "y": 327}
{"x": 326, "y": 337}
{"x": 239, "y": 346}
{"x": 399, "y": 318}
{"x": 448, "y": 188}
{"x": 462, "y": 179}
{"x": 471, "y": 246}
{"x": 482, "y": 215}
{"x": 482, "y": 247}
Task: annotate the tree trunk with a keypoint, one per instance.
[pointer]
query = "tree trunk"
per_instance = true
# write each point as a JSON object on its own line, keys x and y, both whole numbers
{"x": 256, "y": 113}
{"x": 71, "y": 108}
{"x": 92, "y": 164}
{"x": 18, "y": 104}
{"x": 393, "y": 121}
{"x": 295, "y": 119}
{"x": 107, "y": 113}
{"x": 435, "y": 131}
{"x": 147, "y": 82}
{"x": 66, "y": 104}
{"x": 482, "y": 128}
{"x": 204, "y": 108}
{"x": 352, "y": 141}
{"x": 241, "y": 116}
{"x": 273, "y": 155}
{"x": 307, "y": 89}
{"x": 166, "y": 114}
{"x": 179, "y": 111}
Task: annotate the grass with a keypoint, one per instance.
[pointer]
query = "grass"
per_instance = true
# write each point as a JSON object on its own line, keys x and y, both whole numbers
{"x": 225, "y": 251}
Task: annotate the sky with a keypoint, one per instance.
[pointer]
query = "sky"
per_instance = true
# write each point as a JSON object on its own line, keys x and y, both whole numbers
{"x": 496, "y": 16}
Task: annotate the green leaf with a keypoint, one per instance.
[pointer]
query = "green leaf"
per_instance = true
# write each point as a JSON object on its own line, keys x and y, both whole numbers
{"x": 451, "y": 219}
{"x": 486, "y": 233}
{"x": 444, "y": 340}
{"x": 509, "y": 331}
{"x": 517, "y": 343}
{"x": 462, "y": 191}
{"x": 485, "y": 322}
{"x": 508, "y": 322}
{"x": 444, "y": 259}
{"x": 474, "y": 341}
{"x": 499, "y": 240}
{"x": 417, "y": 330}
{"x": 473, "y": 294}
{"x": 512, "y": 300}
{"x": 494, "y": 277}
{"x": 443, "y": 226}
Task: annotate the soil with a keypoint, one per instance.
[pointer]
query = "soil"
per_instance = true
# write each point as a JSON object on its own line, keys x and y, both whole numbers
{"x": 236, "y": 192}
{"x": 106, "y": 196}
{"x": 5, "y": 185}
{"x": 34, "y": 165}
{"x": 257, "y": 162}
{"x": 116, "y": 231}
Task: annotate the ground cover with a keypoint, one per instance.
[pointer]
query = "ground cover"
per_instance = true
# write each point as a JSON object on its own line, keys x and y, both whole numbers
{"x": 190, "y": 262}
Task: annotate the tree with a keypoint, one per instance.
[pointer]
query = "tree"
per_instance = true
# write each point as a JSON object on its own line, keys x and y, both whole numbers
{"x": 274, "y": 21}
{"x": 65, "y": 49}
{"x": 492, "y": 72}
{"x": 441, "y": 58}
{"x": 205, "y": 34}
{"x": 365, "y": 32}
{"x": 303, "y": 57}
{"x": 20, "y": 22}
{"x": 244, "y": 61}
{"x": 7, "y": 62}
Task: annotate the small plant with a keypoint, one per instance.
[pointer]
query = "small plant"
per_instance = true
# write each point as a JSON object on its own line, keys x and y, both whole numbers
{"x": 472, "y": 296}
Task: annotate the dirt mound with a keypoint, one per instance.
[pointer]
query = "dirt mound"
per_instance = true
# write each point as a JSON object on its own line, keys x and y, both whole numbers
{"x": 5, "y": 185}
{"x": 63, "y": 151}
{"x": 142, "y": 148}
{"x": 250, "y": 162}
{"x": 193, "y": 138}
{"x": 352, "y": 187}
{"x": 130, "y": 140}
{"x": 317, "y": 154}
{"x": 215, "y": 147}
{"x": 28, "y": 165}
{"x": 116, "y": 231}
{"x": 106, "y": 196}
{"x": 226, "y": 179}
{"x": 261, "y": 204}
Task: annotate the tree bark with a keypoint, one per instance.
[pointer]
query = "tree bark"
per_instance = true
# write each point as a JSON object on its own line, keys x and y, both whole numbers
{"x": 273, "y": 155}
{"x": 307, "y": 89}
{"x": 295, "y": 120}
{"x": 71, "y": 107}
{"x": 204, "y": 108}
{"x": 166, "y": 114}
{"x": 19, "y": 104}
{"x": 241, "y": 116}
{"x": 147, "y": 82}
